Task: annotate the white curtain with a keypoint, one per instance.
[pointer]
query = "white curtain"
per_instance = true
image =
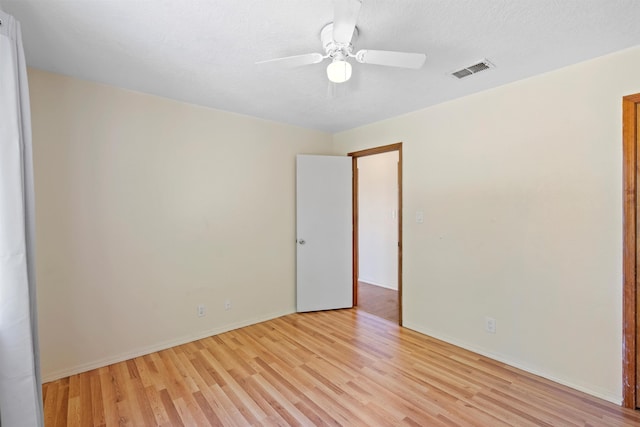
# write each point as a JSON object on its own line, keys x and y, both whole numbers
{"x": 20, "y": 383}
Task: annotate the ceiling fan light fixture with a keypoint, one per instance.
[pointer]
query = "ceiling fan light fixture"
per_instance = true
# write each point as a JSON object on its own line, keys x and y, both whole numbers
{"x": 339, "y": 71}
{"x": 338, "y": 38}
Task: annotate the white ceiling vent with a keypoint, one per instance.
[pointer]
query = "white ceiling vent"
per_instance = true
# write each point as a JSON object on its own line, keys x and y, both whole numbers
{"x": 472, "y": 69}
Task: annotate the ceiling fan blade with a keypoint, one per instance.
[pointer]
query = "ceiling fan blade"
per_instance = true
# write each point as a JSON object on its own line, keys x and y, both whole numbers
{"x": 390, "y": 58}
{"x": 295, "y": 61}
{"x": 345, "y": 14}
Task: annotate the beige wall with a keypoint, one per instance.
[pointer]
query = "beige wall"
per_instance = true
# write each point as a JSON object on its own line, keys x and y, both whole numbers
{"x": 521, "y": 187}
{"x": 146, "y": 208}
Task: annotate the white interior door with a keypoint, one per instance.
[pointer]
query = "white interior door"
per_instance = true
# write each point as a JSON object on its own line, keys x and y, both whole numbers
{"x": 324, "y": 233}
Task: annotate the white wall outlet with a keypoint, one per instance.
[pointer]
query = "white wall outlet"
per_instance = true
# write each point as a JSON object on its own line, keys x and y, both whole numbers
{"x": 202, "y": 310}
{"x": 490, "y": 325}
{"x": 227, "y": 305}
{"x": 419, "y": 217}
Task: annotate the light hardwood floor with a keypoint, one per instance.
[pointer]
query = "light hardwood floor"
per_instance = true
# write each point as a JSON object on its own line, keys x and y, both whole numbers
{"x": 342, "y": 367}
{"x": 380, "y": 301}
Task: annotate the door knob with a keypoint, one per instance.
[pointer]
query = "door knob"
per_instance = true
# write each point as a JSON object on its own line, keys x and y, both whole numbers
{"x": 301, "y": 241}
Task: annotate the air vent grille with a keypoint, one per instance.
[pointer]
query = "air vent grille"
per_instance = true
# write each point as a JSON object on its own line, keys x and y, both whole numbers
{"x": 472, "y": 69}
{"x": 462, "y": 73}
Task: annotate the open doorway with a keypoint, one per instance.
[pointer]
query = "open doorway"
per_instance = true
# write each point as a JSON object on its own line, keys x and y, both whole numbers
{"x": 377, "y": 231}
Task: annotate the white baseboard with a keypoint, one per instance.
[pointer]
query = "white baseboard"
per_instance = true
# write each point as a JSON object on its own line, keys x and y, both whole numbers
{"x": 370, "y": 282}
{"x": 142, "y": 351}
{"x": 602, "y": 394}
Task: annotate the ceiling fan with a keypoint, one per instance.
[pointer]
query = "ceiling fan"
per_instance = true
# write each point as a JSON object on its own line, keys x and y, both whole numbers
{"x": 338, "y": 38}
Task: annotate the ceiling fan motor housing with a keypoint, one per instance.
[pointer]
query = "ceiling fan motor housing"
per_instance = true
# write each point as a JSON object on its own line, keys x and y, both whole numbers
{"x": 336, "y": 50}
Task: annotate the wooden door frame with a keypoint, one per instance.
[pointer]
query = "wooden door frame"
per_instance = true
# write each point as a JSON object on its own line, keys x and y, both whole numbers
{"x": 354, "y": 164}
{"x": 629, "y": 271}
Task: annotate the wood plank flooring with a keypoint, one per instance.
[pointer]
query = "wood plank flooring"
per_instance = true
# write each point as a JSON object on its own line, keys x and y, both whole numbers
{"x": 380, "y": 301}
{"x": 342, "y": 367}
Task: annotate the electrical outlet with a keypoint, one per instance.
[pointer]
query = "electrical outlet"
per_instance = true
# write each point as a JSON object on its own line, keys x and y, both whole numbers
{"x": 202, "y": 310}
{"x": 227, "y": 305}
{"x": 490, "y": 325}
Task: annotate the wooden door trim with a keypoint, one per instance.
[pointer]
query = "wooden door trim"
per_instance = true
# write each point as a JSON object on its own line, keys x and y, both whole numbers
{"x": 370, "y": 152}
{"x": 629, "y": 308}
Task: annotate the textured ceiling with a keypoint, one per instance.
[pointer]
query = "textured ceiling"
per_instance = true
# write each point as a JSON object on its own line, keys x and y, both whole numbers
{"x": 204, "y": 52}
